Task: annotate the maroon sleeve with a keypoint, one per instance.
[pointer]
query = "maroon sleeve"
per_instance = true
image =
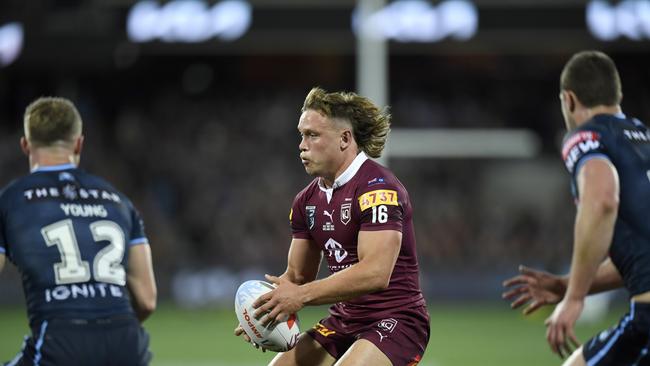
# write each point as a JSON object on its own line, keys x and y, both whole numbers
{"x": 381, "y": 207}
{"x": 297, "y": 219}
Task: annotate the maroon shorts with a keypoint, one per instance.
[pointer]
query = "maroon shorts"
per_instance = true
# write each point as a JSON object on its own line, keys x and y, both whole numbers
{"x": 402, "y": 335}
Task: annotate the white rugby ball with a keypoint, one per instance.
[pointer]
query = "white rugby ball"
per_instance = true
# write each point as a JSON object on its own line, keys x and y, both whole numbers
{"x": 280, "y": 336}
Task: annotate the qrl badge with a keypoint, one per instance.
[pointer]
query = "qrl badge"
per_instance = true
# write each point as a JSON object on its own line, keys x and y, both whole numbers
{"x": 311, "y": 216}
{"x": 345, "y": 213}
{"x": 387, "y": 325}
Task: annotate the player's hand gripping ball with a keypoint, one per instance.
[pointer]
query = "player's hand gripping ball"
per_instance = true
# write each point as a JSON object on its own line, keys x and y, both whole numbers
{"x": 279, "y": 336}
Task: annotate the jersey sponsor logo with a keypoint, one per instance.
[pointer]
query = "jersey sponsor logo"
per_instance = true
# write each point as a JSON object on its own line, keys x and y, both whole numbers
{"x": 335, "y": 248}
{"x": 636, "y": 136}
{"x": 323, "y": 330}
{"x": 330, "y": 215}
{"x": 346, "y": 209}
{"x": 83, "y": 291}
{"x": 329, "y": 225}
{"x": 378, "y": 197}
{"x": 374, "y": 181}
{"x": 385, "y": 325}
{"x": 578, "y": 145}
{"x": 381, "y": 336}
{"x": 65, "y": 176}
{"x": 311, "y": 216}
{"x": 340, "y": 267}
{"x": 70, "y": 192}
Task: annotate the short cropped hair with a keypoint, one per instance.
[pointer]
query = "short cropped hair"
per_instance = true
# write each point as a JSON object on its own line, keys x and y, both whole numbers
{"x": 370, "y": 124}
{"x": 593, "y": 77}
{"x": 51, "y": 120}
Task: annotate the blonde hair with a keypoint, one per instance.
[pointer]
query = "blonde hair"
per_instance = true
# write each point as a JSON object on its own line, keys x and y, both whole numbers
{"x": 51, "y": 120}
{"x": 370, "y": 124}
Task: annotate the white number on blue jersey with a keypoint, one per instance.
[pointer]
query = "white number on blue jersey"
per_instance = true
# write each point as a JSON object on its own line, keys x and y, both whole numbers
{"x": 71, "y": 269}
{"x": 107, "y": 265}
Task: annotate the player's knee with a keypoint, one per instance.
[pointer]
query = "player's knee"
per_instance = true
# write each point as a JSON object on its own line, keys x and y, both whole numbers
{"x": 307, "y": 352}
{"x": 576, "y": 359}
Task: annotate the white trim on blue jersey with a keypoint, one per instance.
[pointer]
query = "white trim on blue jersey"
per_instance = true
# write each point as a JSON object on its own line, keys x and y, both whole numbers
{"x": 588, "y": 157}
{"x": 39, "y": 344}
{"x": 54, "y": 168}
{"x": 138, "y": 241}
{"x": 619, "y": 331}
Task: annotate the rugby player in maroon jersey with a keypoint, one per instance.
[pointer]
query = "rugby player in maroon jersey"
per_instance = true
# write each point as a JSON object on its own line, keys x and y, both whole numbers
{"x": 357, "y": 215}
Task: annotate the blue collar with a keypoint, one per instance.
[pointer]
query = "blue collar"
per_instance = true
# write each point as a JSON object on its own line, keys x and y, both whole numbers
{"x": 54, "y": 168}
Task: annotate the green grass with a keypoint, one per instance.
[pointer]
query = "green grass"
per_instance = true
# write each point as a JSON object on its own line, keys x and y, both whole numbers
{"x": 461, "y": 335}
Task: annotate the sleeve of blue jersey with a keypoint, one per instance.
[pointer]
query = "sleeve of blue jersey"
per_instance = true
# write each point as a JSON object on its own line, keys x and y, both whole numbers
{"x": 138, "y": 241}
{"x": 2, "y": 249}
{"x": 588, "y": 157}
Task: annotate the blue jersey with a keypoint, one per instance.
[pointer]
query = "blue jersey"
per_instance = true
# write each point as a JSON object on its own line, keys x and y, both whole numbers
{"x": 626, "y": 144}
{"x": 68, "y": 233}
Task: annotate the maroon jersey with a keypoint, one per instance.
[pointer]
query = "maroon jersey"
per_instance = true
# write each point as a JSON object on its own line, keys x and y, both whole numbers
{"x": 366, "y": 197}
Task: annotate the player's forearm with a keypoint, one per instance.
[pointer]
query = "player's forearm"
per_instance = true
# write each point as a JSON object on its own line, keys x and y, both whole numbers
{"x": 141, "y": 281}
{"x": 299, "y": 277}
{"x": 142, "y": 312}
{"x": 303, "y": 262}
{"x": 143, "y": 299}
{"x": 593, "y": 235}
{"x": 352, "y": 282}
{"x": 607, "y": 278}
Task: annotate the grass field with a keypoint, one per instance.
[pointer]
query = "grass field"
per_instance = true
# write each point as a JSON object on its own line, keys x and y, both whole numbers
{"x": 461, "y": 335}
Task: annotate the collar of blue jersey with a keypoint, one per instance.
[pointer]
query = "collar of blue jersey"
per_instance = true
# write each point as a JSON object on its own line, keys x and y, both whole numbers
{"x": 348, "y": 173}
{"x": 619, "y": 115}
{"x": 54, "y": 168}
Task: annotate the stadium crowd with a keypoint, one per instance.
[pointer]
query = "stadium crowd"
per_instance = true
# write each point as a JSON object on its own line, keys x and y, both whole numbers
{"x": 214, "y": 171}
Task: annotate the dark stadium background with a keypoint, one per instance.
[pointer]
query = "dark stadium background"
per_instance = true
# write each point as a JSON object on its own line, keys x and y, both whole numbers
{"x": 202, "y": 137}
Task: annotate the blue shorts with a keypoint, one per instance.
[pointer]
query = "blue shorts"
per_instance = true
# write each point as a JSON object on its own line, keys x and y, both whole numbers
{"x": 626, "y": 344}
{"x": 81, "y": 342}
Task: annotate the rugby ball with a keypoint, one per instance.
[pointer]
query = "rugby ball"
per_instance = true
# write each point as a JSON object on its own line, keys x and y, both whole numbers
{"x": 279, "y": 336}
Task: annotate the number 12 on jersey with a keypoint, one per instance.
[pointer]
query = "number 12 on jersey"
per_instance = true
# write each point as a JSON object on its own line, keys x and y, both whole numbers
{"x": 107, "y": 265}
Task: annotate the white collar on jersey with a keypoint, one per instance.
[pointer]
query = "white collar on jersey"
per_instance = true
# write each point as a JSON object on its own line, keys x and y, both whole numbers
{"x": 53, "y": 168}
{"x": 345, "y": 177}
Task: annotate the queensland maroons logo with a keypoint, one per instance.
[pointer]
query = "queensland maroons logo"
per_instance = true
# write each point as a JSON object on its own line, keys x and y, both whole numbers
{"x": 345, "y": 213}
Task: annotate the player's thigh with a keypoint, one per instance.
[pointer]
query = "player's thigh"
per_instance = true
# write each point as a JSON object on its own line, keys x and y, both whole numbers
{"x": 363, "y": 352}
{"x": 307, "y": 352}
{"x": 576, "y": 359}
